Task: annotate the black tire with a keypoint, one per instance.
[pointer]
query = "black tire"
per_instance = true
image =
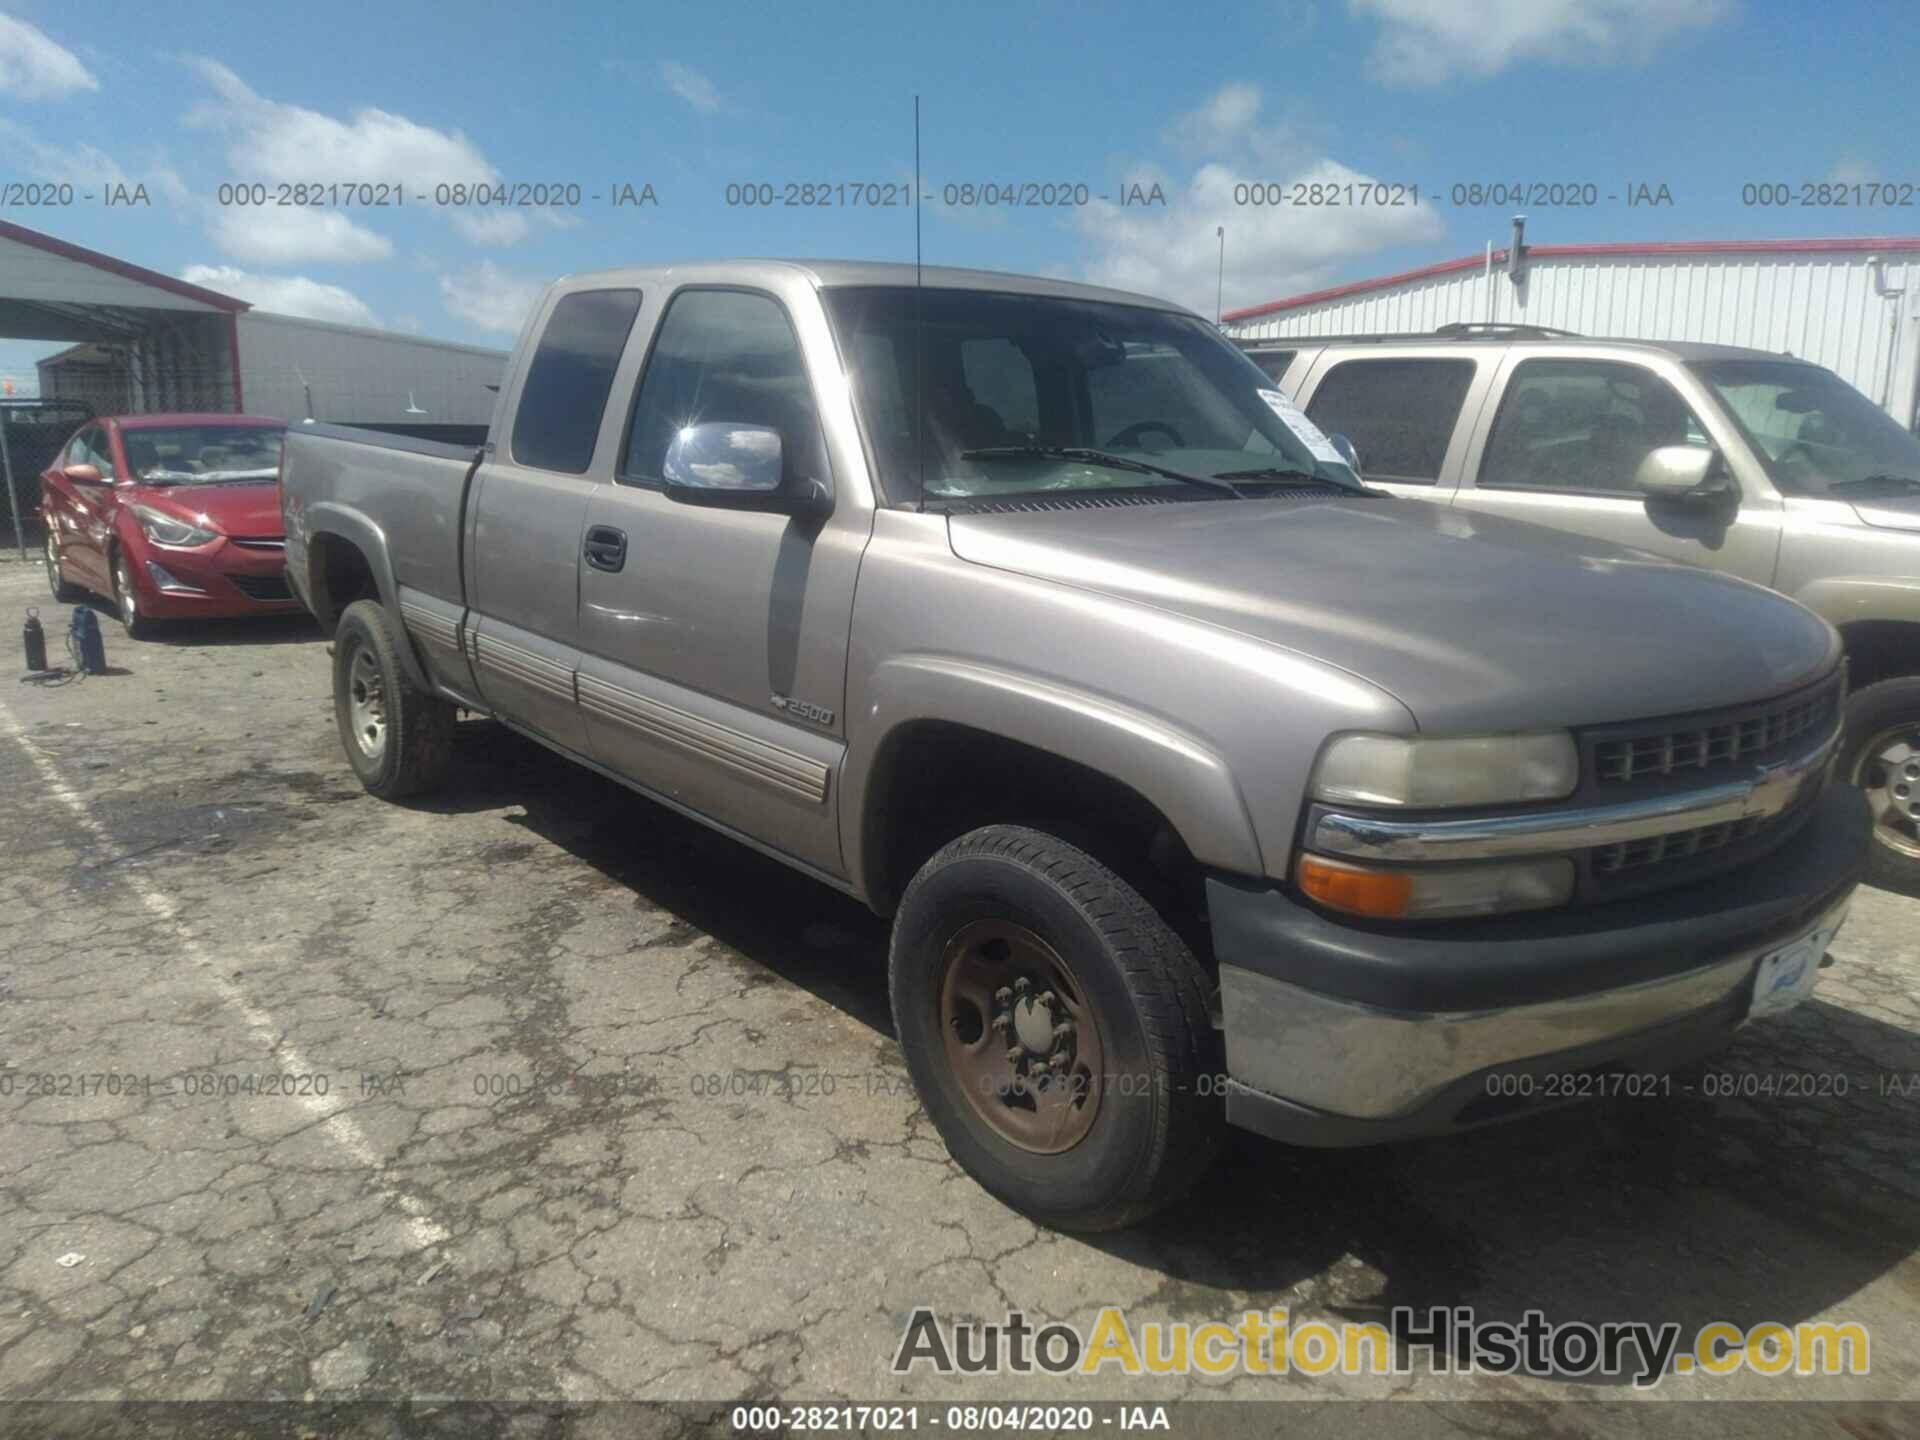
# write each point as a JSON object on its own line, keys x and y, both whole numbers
{"x": 416, "y": 728}
{"x": 126, "y": 601}
{"x": 65, "y": 592}
{"x": 1159, "y": 1117}
{"x": 1874, "y": 715}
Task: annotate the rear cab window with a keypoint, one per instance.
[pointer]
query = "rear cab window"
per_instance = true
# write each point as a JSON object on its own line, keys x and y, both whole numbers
{"x": 569, "y": 378}
{"x": 1400, "y": 414}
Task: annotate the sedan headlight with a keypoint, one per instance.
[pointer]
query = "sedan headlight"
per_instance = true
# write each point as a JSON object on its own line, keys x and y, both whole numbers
{"x": 1416, "y": 772}
{"x": 165, "y": 529}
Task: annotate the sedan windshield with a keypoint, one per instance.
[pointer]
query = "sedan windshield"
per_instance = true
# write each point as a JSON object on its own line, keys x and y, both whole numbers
{"x": 1815, "y": 433}
{"x": 202, "y": 454}
{"x": 1003, "y": 396}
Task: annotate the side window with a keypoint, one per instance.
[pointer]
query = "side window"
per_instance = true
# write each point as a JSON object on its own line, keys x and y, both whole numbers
{"x": 1274, "y": 362}
{"x": 90, "y": 447}
{"x": 1582, "y": 425}
{"x": 724, "y": 355}
{"x": 1001, "y": 378}
{"x": 1400, "y": 414}
{"x": 565, "y": 393}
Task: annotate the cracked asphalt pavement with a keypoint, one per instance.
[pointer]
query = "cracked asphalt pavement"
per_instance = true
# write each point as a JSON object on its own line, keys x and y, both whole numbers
{"x": 534, "y": 1090}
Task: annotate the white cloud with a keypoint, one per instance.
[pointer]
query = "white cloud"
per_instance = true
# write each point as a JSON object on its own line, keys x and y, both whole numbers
{"x": 274, "y": 141}
{"x": 489, "y": 298}
{"x": 86, "y": 167}
{"x": 1425, "y": 42}
{"x": 33, "y": 66}
{"x": 1272, "y": 249}
{"x": 1851, "y": 170}
{"x": 289, "y": 235}
{"x": 284, "y": 294}
{"x": 691, "y": 86}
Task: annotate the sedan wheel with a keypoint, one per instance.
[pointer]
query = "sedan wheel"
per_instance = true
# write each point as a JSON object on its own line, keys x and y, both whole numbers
{"x": 127, "y": 601}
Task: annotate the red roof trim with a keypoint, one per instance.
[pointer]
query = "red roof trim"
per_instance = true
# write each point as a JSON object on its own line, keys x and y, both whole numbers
{"x": 68, "y": 251}
{"x": 1850, "y": 245}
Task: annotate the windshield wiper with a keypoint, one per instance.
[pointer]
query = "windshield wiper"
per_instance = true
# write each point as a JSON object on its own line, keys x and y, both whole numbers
{"x": 1099, "y": 457}
{"x": 1898, "y": 481}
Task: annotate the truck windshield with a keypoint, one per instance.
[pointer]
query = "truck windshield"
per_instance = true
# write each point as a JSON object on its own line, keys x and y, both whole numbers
{"x": 1031, "y": 395}
{"x": 1815, "y": 433}
{"x": 202, "y": 454}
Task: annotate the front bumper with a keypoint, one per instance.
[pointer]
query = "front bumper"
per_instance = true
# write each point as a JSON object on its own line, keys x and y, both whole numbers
{"x": 227, "y": 578}
{"x": 1341, "y": 1032}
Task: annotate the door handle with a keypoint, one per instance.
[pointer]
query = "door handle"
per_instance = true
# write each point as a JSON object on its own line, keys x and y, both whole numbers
{"x": 606, "y": 547}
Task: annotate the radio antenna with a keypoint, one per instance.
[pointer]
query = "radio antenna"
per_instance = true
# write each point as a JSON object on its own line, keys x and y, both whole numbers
{"x": 919, "y": 386}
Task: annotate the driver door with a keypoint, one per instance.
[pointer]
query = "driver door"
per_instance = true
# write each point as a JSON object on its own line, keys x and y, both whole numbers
{"x": 82, "y": 513}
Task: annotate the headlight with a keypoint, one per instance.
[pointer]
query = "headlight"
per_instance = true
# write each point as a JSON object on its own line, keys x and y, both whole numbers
{"x": 166, "y": 530}
{"x": 1416, "y": 772}
{"x": 1438, "y": 892}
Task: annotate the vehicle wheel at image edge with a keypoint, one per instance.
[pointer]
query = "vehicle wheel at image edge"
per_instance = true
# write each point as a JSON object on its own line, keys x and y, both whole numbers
{"x": 1058, "y": 1032}
{"x": 126, "y": 601}
{"x": 397, "y": 736}
{"x": 65, "y": 592}
{"x": 1881, "y": 754}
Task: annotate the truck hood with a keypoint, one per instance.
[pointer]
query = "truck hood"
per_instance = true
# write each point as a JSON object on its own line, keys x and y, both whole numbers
{"x": 249, "y": 511}
{"x": 1472, "y": 622}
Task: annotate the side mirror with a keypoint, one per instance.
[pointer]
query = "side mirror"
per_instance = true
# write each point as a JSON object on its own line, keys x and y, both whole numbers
{"x": 1682, "y": 472}
{"x": 738, "y": 467}
{"x": 84, "y": 474}
{"x": 1349, "y": 452}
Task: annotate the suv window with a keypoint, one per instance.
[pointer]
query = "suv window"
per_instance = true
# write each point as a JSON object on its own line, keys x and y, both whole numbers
{"x": 1399, "y": 414}
{"x": 1274, "y": 362}
{"x": 565, "y": 393}
{"x": 1583, "y": 425}
{"x": 724, "y": 355}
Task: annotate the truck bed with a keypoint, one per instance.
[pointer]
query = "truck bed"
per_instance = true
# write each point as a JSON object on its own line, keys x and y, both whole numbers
{"x": 407, "y": 487}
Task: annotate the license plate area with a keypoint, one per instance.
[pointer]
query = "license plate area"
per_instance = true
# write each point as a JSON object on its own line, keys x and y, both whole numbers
{"x": 1786, "y": 975}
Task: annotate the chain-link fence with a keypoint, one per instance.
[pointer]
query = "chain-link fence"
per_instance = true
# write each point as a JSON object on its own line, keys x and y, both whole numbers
{"x": 33, "y": 432}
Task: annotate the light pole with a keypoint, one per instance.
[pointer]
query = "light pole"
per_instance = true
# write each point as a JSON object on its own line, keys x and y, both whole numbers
{"x": 1220, "y": 279}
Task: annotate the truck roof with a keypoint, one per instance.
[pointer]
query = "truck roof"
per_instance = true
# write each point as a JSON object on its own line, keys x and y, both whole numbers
{"x": 828, "y": 274}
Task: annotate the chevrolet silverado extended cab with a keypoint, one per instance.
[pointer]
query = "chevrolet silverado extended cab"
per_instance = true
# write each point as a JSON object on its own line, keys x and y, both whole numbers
{"x": 1202, "y": 783}
{"x": 1761, "y": 465}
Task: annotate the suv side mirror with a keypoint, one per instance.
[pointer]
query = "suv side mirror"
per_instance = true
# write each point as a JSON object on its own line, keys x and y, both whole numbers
{"x": 1682, "y": 472}
{"x": 738, "y": 467}
{"x": 1349, "y": 452}
{"x": 84, "y": 474}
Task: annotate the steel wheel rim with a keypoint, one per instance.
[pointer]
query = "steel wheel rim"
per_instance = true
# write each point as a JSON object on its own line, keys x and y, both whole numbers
{"x": 1889, "y": 772}
{"x": 123, "y": 593}
{"x": 1021, "y": 1036}
{"x": 367, "y": 704}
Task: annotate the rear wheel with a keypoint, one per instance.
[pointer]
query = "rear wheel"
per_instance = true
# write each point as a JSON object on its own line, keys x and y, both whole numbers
{"x": 64, "y": 591}
{"x": 1058, "y": 1032}
{"x": 397, "y": 736}
{"x": 1883, "y": 758}
{"x": 126, "y": 600}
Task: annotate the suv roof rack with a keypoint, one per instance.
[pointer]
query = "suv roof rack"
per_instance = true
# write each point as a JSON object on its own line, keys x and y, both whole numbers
{"x": 1458, "y": 330}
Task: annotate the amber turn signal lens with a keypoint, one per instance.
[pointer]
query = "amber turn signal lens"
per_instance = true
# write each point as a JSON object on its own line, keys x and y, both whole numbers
{"x": 1381, "y": 893}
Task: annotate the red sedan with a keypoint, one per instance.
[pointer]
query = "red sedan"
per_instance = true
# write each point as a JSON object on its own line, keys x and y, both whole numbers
{"x": 175, "y": 517}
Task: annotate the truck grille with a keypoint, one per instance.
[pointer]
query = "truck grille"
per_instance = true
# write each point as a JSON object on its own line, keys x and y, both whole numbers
{"x": 1719, "y": 741}
{"x": 262, "y": 587}
{"x": 1680, "y": 845}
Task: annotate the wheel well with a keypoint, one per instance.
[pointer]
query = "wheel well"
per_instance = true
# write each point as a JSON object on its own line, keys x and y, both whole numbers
{"x": 341, "y": 575}
{"x": 1880, "y": 650}
{"x": 936, "y": 781}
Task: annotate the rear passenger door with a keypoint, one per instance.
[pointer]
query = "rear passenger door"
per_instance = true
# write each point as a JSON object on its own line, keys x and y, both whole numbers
{"x": 530, "y": 511}
{"x": 1408, "y": 416}
{"x": 1561, "y": 447}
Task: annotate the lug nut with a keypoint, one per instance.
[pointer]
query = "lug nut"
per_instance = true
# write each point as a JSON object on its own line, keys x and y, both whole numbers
{"x": 1022, "y": 985}
{"x": 1046, "y": 998}
{"x": 1003, "y": 995}
{"x": 1002, "y": 1020}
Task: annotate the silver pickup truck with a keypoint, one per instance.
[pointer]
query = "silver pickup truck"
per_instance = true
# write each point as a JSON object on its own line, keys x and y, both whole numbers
{"x": 1201, "y": 782}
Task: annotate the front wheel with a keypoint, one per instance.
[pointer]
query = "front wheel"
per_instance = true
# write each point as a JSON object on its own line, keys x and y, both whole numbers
{"x": 397, "y": 736}
{"x": 126, "y": 600}
{"x": 1882, "y": 757}
{"x": 1058, "y": 1032}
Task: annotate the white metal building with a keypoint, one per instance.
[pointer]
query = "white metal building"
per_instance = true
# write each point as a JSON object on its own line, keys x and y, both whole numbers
{"x": 1852, "y": 305}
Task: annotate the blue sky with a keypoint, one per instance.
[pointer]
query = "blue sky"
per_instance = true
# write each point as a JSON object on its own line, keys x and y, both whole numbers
{"x": 1701, "y": 96}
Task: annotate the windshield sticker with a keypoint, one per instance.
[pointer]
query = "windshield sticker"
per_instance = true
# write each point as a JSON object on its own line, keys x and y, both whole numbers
{"x": 1304, "y": 429}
